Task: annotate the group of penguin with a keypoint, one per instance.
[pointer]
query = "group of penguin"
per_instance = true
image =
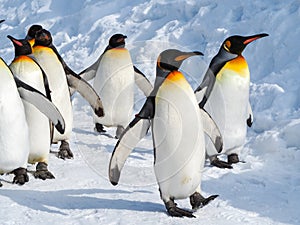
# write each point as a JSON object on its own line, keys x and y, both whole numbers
{"x": 187, "y": 125}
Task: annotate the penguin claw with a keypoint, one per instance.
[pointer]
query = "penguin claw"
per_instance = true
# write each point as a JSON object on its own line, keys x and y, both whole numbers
{"x": 43, "y": 174}
{"x": 174, "y": 211}
{"x": 221, "y": 164}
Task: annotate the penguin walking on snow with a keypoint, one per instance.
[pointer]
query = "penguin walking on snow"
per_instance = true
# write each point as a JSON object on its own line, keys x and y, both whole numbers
{"x": 178, "y": 126}
{"x": 114, "y": 77}
{"x": 27, "y": 70}
{"x": 14, "y": 142}
{"x": 60, "y": 77}
{"x": 224, "y": 93}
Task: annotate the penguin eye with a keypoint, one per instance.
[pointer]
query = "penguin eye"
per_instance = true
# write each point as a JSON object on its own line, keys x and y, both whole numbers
{"x": 227, "y": 45}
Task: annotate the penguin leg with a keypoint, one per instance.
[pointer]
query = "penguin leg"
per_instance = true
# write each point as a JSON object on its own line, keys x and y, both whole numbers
{"x": 214, "y": 161}
{"x": 173, "y": 210}
{"x": 21, "y": 176}
{"x": 197, "y": 200}
{"x": 42, "y": 171}
{"x": 119, "y": 131}
{"x": 65, "y": 151}
{"x": 99, "y": 128}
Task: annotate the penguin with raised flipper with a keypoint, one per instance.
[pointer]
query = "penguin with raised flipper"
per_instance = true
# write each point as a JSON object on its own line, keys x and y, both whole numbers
{"x": 114, "y": 78}
{"x": 27, "y": 70}
{"x": 224, "y": 93}
{"x": 178, "y": 127}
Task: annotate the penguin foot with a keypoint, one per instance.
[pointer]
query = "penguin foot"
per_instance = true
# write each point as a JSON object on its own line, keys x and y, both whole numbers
{"x": 42, "y": 172}
{"x": 197, "y": 200}
{"x": 21, "y": 176}
{"x": 65, "y": 151}
{"x": 220, "y": 164}
{"x": 233, "y": 158}
{"x": 173, "y": 210}
{"x": 99, "y": 128}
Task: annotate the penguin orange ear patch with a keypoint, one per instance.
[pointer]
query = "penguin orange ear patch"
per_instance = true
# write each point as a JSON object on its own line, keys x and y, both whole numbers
{"x": 227, "y": 45}
{"x": 17, "y": 42}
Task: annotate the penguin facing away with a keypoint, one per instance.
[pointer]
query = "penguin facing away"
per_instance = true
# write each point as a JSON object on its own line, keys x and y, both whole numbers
{"x": 178, "y": 126}
{"x": 114, "y": 77}
{"x": 27, "y": 70}
{"x": 224, "y": 93}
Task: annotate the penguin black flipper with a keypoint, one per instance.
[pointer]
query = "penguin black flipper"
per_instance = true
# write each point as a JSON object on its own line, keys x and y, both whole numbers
{"x": 142, "y": 82}
{"x": 249, "y": 121}
{"x": 81, "y": 86}
{"x": 2, "y": 21}
{"x": 41, "y": 102}
{"x": 87, "y": 92}
{"x": 90, "y": 72}
{"x": 209, "y": 79}
{"x": 212, "y": 130}
{"x": 136, "y": 130}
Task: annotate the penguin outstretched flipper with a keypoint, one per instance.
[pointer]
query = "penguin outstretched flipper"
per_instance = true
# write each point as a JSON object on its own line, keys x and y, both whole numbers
{"x": 142, "y": 82}
{"x": 212, "y": 130}
{"x": 90, "y": 72}
{"x": 41, "y": 102}
{"x": 2, "y": 21}
{"x": 135, "y": 131}
{"x": 87, "y": 92}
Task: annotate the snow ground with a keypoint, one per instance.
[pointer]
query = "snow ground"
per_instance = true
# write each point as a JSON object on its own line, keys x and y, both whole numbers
{"x": 263, "y": 190}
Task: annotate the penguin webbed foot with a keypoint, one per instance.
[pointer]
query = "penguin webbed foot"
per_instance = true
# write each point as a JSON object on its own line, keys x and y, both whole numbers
{"x": 197, "y": 200}
{"x": 174, "y": 211}
{"x": 65, "y": 151}
{"x": 233, "y": 158}
{"x": 220, "y": 164}
{"x": 21, "y": 176}
{"x": 42, "y": 172}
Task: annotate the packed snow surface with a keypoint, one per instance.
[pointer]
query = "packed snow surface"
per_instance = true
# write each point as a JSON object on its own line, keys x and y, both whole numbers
{"x": 265, "y": 189}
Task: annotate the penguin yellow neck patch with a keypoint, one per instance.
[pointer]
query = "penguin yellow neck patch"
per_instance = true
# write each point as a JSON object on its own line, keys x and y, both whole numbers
{"x": 22, "y": 58}
{"x": 175, "y": 76}
{"x": 238, "y": 65}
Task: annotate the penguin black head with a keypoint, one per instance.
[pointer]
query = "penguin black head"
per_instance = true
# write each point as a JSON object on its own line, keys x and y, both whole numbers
{"x": 22, "y": 47}
{"x": 43, "y": 37}
{"x": 171, "y": 59}
{"x": 236, "y": 44}
{"x": 117, "y": 40}
{"x": 32, "y": 31}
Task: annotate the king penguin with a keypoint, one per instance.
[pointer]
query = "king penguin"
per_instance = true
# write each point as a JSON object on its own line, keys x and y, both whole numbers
{"x": 224, "y": 93}
{"x": 58, "y": 85}
{"x": 178, "y": 126}
{"x": 114, "y": 78}
{"x": 27, "y": 70}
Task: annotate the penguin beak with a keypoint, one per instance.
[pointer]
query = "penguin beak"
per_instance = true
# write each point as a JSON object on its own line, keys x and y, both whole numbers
{"x": 186, "y": 55}
{"x": 249, "y": 39}
{"x": 15, "y": 41}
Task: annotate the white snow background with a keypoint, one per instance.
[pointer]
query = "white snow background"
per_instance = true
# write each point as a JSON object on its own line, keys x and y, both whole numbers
{"x": 263, "y": 190}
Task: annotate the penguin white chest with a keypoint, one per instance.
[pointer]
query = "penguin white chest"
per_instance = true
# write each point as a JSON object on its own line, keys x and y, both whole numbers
{"x": 14, "y": 140}
{"x": 228, "y": 103}
{"x": 178, "y": 138}
{"x": 114, "y": 82}
{"x": 39, "y": 128}
{"x": 60, "y": 94}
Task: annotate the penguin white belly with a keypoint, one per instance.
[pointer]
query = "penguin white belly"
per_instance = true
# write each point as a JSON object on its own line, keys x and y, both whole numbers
{"x": 178, "y": 139}
{"x": 114, "y": 82}
{"x": 228, "y": 107}
{"x": 59, "y": 88}
{"x": 39, "y": 127}
{"x": 14, "y": 140}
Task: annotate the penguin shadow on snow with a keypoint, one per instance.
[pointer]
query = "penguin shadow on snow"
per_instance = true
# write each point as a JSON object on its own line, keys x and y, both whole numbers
{"x": 76, "y": 199}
